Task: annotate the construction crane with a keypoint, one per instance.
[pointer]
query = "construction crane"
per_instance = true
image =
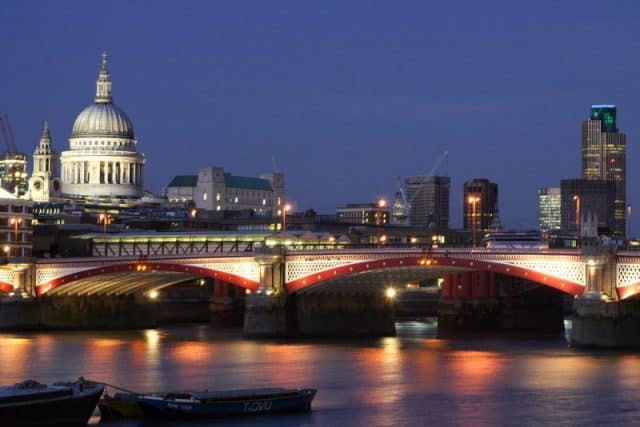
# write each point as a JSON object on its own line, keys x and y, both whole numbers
{"x": 9, "y": 139}
{"x": 13, "y": 164}
{"x": 431, "y": 173}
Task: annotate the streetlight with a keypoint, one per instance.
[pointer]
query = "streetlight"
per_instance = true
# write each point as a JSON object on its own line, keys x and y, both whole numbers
{"x": 192, "y": 216}
{"x": 381, "y": 204}
{"x": 105, "y": 219}
{"x": 286, "y": 208}
{"x": 628, "y": 219}
{"x": 15, "y": 222}
{"x": 473, "y": 200}
{"x": 576, "y": 198}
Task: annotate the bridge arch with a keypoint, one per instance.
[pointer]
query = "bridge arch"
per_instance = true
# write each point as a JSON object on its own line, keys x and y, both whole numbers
{"x": 441, "y": 261}
{"x": 144, "y": 269}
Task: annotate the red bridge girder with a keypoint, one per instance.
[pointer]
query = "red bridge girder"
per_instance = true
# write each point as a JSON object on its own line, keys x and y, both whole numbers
{"x": 440, "y": 260}
{"x": 6, "y": 287}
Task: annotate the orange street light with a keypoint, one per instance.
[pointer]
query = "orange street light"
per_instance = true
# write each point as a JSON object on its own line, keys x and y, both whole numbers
{"x": 16, "y": 222}
{"x": 473, "y": 200}
{"x": 576, "y": 198}
{"x": 286, "y": 208}
{"x": 192, "y": 216}
{"x": 104, "y": 219}
{"x": 379, "y": 216}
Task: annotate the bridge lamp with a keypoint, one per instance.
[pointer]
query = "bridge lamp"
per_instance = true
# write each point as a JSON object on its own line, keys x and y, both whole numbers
{"x": 286, "y": 208}
{"x": 576, "y": 198}
{"x": 153, "y": 294}
{"x": 473, "y": 200}
{"x": 247, "y": 291}
{"x": 390, "y": 293}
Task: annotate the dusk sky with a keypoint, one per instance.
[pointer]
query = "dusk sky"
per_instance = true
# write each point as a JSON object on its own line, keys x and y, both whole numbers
{"x": 346, "y": 96}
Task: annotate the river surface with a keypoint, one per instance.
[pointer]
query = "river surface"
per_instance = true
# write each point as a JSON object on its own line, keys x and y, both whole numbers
{"x": 413, "y": 379}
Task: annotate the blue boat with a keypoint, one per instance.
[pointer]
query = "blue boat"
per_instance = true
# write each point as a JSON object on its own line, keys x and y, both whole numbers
{"x": 226, "y": 403}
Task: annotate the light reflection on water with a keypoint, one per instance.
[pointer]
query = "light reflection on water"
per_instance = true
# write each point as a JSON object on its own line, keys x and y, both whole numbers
{"x": 411, "y": 379}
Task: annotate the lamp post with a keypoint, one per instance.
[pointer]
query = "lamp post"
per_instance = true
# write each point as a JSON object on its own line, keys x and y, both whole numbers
{"x": 192, "y": 216}
{"x": 104, "y": 218}
{"x": 382, "y": 203}
{"x": 15, "y": 222}
{"x": 473, "y": 200}
{"x": 576, "y": 198}
{"x": 628, "y": 220}
{"x": 285, "y": 208}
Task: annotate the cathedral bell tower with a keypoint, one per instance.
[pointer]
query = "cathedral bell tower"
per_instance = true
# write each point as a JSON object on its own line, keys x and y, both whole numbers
{"x": 45, "y": 180}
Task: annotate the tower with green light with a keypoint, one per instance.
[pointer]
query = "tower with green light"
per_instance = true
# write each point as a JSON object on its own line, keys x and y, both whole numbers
{"x": 604, "y": 156}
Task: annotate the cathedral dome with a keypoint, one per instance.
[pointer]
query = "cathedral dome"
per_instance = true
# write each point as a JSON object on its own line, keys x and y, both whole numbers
{"x": 102, "y": 160}
{"x": 102, "y": 120}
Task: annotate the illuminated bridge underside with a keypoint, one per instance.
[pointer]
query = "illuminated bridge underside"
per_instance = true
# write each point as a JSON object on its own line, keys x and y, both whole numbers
{"x": 238, "y": 271}
{"x": 120, "y": 284}
{"x": 563, "y": 273}
{"x": 373, "y": 281}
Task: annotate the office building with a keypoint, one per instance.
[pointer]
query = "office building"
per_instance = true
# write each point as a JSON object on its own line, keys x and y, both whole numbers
{"x": 581, "y": 198}
{"x": 604, "y": 157}
{"x": 480, "y": 204}
{"x": 363, "y": 213}
{"x": 428, "y": 201}
{"x": 549, "y": 202}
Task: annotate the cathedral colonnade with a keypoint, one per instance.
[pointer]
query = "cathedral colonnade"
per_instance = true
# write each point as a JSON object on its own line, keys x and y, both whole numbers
{"x": 92, "y": 171}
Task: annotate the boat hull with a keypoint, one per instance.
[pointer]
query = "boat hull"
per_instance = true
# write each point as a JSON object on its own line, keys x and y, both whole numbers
{"x": 74, "y": 410}
{"x": 122, "y": 405}
{"x": 160, "y": 407}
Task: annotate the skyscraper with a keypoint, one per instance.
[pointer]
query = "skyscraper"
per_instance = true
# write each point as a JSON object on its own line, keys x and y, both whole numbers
{"x": 604, "y": 157}
{"x": 428, "y": 200}
{"x": 479, "y": 204}
{"x": 582, "y": 198}
{"x": 549, "y": 208}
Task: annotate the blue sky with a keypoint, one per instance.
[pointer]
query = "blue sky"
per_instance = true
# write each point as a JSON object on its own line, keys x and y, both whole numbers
{"x": 346, "y": 96}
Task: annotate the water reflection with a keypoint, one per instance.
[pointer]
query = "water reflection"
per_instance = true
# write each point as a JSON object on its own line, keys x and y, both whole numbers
{"x": 411, "y": 379}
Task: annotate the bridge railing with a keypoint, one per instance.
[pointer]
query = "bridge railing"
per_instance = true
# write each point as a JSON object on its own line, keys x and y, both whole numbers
{"x": 175, "y": 247}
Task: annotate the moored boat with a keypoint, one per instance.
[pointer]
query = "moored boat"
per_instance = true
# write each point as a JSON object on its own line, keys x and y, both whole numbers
{"x": 207, "y": 403}
{"x": 30, "y": 403}
{"x": 120, "y": 405}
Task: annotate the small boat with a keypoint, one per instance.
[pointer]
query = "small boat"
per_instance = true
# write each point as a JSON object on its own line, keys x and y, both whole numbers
{"x": 31, "y": 403}
{"x": 120, "y": 405}
{"x": 188, "y": 404}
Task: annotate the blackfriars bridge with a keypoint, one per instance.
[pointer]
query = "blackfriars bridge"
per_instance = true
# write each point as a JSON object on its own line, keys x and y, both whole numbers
{"x": 339, "y": 285}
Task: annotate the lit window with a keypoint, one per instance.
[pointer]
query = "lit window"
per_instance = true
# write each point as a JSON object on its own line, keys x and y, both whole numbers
{"x": 218, "y": 207}
{"x": 204, "y": 196}
{"x": 235, "y": 200}
{"x": 264, "y": 202}
{"x": 217, "y": 197}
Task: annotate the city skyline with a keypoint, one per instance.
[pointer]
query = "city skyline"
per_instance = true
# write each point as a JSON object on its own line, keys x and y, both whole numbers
{"x": 343, "y": 113}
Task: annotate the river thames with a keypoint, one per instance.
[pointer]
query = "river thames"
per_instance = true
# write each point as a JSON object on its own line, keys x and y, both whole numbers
{"x": 412, "y": 379}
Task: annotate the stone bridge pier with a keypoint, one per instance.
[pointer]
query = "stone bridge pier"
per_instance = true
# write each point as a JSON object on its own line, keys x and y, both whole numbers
{"x": 273, "y": 311}
{"x": 601, "y": 318}
{"x": 266, "y": 309}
